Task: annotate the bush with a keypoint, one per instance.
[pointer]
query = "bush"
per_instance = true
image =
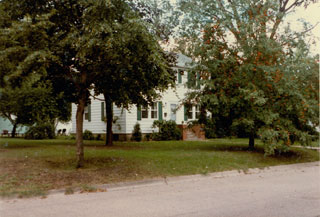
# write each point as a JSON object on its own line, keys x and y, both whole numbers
{"x": 99, "y": 137}
{"x": 136, "y": 133}
{"x": 168, "y": 130}
{"x": 148, "y": 137}
{"x": 40, "y": 131}
{"x": 87, "y": 135}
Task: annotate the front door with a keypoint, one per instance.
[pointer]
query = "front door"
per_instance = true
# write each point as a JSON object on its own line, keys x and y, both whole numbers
{"x": 173, "y": 111}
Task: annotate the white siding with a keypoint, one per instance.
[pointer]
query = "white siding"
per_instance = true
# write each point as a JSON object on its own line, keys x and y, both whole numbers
{"x": 96, "y": 125}
{"x": 131, "y": 120}
{"x": 128, "y": 118}
{"x": 171, "y": 96}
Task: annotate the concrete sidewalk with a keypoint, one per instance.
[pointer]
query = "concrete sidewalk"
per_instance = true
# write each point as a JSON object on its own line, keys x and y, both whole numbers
{"x": 288, "y": 190}
{"x": 307, "y": 147}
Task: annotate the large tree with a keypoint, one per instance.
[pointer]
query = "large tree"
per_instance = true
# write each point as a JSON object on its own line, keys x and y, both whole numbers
{"x": 132, "y": 67}
{"x": 250, "y": 68}
{"x": 79, "y": 37}
{"x": 26, "y": 97}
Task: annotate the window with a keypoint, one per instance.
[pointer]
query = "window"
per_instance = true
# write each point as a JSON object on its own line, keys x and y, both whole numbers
{"x": 103, "y": 112}
{"x": 197, "y": 112}
{"x": 87, "y": 112}
{"x": 154, "y": 111}
{"x": 180, "y": 73}
{"x": 144, "y": 111}
{"x": 189, "y": 112}
{"x": 198, "y": 81}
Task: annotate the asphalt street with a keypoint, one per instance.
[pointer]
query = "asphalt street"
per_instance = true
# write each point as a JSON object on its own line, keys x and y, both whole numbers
{"x": 292, "y": 190}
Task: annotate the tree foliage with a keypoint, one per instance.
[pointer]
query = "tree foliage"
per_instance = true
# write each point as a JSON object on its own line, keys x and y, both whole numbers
{"x": 254, "y": 75}
{"x": 81, "y": 45}
{"x": 31, "y": 105}
{"x": 26, "y": 97}
{"x": 130, "y": 66}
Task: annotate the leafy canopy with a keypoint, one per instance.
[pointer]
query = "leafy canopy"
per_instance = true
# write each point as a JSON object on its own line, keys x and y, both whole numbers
{"x": 255, "y": 75}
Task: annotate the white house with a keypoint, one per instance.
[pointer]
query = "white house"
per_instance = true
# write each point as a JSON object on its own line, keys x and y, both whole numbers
{"x": 169, "y": 107}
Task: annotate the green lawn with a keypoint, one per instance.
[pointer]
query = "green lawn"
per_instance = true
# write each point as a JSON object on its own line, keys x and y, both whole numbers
{"x": 315, "y": 143}
{"x": 30, "y": 167}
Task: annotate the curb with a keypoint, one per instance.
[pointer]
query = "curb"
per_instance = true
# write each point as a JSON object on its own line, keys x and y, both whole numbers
{"x": 168, "y": 180}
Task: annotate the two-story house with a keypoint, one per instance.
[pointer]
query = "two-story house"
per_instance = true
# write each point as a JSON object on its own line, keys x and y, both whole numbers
{"x": 169, "y": 107}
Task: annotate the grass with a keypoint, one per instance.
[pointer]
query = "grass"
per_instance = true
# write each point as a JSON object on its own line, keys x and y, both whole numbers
{"x": 31, "y": 168}
{"x": 315, "y": 143}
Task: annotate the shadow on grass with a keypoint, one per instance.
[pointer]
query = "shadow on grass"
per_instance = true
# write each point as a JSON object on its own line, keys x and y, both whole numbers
{"x": 17, "y": 146}
{"x": 118, "y": 146}
{"x": 232, "y": 148}
{"x": 89, "y": 162}
{"x": 206, "y": 146}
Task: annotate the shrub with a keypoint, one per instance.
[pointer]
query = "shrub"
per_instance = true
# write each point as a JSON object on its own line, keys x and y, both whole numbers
{"x": 87, "y": 135}
{"x": 99, "y": 137}
{"x": 136, "y": 133}
{"x": 168, "y": 130}
{"x": 40, "y": 131}
{"x": 148, "y": 137}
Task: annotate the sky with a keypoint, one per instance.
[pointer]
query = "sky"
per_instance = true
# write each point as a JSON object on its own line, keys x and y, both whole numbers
{"x": 311, "y": 14}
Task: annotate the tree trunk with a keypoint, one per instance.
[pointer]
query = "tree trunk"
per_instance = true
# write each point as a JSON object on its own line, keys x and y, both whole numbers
{"x": 79, "y": 127}
{"x": 251, "y": 141}
{"x": 14, "y": 129}
{"x": 109, "y": 114}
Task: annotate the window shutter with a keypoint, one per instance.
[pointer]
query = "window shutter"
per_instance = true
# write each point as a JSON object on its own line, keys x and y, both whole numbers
{"x": 102, "y": 111}
{"x": 160, "y": 110}
{"x": 191, "y": 80}
{"x": 198, "y": 80}
{"x": 185, "y": 113}
{"x": 139, "y": 113}
{"x": 179, "y": 77}
{"x": 89, "y": 112}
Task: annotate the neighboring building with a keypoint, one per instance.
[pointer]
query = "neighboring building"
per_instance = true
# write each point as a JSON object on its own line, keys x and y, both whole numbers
{"x": 63, "y": 127}
{"x": 169, "y": 107}
{"x": 5, "y": 125}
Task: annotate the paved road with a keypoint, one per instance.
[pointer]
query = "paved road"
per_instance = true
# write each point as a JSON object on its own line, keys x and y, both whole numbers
{"x": 278, "y": 191}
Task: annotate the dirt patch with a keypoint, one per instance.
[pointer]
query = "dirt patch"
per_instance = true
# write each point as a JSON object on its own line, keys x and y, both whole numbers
{"x": 21, "y": 175}
{"x": 116, "y": 147}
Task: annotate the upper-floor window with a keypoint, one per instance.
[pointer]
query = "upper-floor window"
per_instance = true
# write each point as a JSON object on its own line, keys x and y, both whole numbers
{"x": 180, "y": 73}
{"x": 193, "y": 80}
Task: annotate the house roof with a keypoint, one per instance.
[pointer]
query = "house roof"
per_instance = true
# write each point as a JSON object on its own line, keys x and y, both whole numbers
{"x": 183, "y": 61}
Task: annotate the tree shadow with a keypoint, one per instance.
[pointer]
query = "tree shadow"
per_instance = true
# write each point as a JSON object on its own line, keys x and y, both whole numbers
{"x": 89, "y": 162}
{"x": 17, "y": 146}
{"x": 232, "y": 148}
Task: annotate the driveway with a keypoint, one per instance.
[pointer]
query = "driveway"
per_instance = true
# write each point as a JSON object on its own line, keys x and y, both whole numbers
{"x": 292, "y": 190}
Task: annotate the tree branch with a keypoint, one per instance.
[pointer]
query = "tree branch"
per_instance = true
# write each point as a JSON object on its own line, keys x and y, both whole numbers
{"x": 307, "y": 30}
{"x": 102, "y": 100}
